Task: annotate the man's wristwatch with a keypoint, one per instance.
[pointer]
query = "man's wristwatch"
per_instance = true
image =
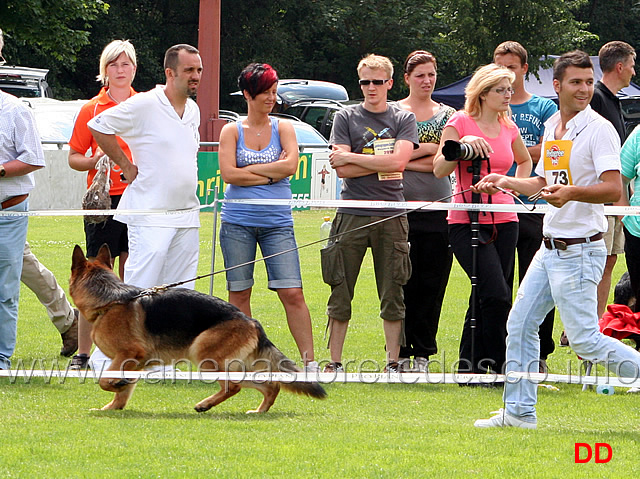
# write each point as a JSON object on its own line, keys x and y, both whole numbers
{"x": 3, "y": 172}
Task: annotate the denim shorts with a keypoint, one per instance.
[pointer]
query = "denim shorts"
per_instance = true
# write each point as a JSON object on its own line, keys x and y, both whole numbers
{"x": 238, "y": 245}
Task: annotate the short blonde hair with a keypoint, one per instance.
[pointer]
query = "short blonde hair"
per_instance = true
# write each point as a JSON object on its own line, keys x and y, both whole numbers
{"x": 110, "y": 53}
{"x": 481, "y": 82}
{"x": 376, "y": 62}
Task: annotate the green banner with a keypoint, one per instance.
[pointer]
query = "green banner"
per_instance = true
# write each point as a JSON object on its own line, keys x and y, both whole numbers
{"x": 209, "y": 177}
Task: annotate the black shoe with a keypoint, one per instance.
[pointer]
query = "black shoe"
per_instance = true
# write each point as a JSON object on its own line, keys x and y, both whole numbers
{"x": 79, "y": 361}
{"x": 70, "y": 337}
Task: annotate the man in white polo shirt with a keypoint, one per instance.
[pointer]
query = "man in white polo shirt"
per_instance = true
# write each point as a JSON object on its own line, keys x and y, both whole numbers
{"x": 579, "y": 170}
{"x": 161, "y": 128}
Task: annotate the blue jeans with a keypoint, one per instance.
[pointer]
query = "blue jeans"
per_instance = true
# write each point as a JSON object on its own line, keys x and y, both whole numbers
{"x": 238, "y": 244}
{"x": 13, "y": 235}
{"x": 569, "y": 279}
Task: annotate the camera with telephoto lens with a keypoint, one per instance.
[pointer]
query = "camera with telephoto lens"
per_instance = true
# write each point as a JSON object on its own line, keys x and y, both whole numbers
{"x": 455, "y": 151}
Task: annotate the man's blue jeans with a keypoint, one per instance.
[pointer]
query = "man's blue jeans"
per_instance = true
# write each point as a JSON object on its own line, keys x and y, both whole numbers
{"x": 569, "y": 279}
{"x": 13, "y": 234}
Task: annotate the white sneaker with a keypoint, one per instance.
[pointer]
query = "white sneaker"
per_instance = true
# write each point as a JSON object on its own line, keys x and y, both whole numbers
{"x": 404, "y": 365}
{"x": 504, "y": 419}
{"x": 311, "y": 367}
{"x": 420, "y": 364}
{"x": 633, "y": 390}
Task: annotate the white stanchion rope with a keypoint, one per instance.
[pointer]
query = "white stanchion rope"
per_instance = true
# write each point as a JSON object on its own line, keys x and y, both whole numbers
{"x": 305, "y": 203}
{"x": 323, "y": 378}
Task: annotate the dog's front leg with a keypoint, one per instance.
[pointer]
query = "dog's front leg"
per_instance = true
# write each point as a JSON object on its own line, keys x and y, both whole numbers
{"x": 121, "y": 386}
{"x": 121, "y": 397}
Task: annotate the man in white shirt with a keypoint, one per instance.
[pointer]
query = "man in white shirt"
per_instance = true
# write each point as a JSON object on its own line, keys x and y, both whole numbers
{"x": 579, "y": 170}
{"x": 20, "y": 155}
{"x": 161, "y": 128}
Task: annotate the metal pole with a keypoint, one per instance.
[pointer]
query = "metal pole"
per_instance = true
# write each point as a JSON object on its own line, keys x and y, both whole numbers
{"x": 475, "y": 243}
{"x": 213, "y": 238}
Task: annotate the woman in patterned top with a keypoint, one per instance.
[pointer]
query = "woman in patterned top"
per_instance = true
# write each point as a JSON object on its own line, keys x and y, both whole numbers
{"x": 257, "y": 155}
{"x": 430, "y": 255}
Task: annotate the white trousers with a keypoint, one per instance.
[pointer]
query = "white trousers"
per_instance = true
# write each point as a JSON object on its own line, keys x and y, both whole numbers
{"x": 157, "y": 256}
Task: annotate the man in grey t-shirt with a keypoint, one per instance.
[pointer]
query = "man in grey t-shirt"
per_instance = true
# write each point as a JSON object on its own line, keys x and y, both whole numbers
{"x": 372, "y": 143}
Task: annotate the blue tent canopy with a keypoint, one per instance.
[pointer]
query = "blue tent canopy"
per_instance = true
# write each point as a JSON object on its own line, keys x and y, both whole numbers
{"x": 453, "y": 94}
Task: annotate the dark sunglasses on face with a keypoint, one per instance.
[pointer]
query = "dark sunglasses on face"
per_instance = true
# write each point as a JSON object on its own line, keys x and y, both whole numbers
{"x": 375, "y": 82}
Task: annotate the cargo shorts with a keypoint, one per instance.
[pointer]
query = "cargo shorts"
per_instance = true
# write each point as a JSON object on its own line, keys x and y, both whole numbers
{"x": 342, "y": 258}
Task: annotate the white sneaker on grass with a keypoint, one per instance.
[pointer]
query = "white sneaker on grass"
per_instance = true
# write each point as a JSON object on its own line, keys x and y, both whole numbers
{"x": 311, "y": 367}
{"x": 504, "y": 419}
{"x": 420, "y": 364}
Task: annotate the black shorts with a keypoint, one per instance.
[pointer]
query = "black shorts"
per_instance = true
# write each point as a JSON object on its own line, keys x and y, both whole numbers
{"x": 111, "y": 232}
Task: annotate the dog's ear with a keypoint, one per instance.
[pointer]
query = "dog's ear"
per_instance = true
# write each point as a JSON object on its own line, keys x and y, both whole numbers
{"x": 78, "y": 259}
{"x": 104, "y": 255}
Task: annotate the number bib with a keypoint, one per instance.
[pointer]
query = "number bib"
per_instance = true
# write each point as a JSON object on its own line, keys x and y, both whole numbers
{"x": 557, "y": 154}
{"x": 385, "y": 146}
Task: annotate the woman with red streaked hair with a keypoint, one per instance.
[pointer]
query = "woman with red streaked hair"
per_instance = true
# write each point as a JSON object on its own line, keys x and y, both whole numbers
{"x": 257, "y": 156}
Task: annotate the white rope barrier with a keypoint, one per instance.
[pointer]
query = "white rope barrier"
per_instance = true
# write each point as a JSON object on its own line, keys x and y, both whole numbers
{"x": 306, "y": 203}
{"x": 323, "y": 378}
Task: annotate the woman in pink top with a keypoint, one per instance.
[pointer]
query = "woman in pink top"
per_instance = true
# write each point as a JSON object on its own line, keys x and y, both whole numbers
{"x": 485, "y": 125}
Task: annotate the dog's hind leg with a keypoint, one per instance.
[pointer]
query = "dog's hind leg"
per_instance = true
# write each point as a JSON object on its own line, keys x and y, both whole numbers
{"x": 227, "y": 389}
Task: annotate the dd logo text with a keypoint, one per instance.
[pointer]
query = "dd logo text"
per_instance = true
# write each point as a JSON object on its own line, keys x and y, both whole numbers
{"x": 584, "y": 452}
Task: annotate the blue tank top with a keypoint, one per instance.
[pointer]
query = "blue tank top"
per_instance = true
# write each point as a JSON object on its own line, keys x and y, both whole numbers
{"x": 268, "y": 216}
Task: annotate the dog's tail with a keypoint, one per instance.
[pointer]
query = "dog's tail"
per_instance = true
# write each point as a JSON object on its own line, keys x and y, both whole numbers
{"x": 279, "y": 362}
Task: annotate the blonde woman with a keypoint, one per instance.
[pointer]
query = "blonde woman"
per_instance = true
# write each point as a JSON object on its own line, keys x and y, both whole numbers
{"x": 430, "y": 255}
{"x": 485, "y": 125}
{"x": 117, "y": 71}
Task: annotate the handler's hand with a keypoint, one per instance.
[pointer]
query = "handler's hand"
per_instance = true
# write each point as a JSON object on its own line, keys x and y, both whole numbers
{"x": 488, "y": 184}
{"x": 557, "y": 195}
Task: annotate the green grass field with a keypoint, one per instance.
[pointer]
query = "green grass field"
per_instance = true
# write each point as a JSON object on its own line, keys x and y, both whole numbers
{"x": 362, "y": 430}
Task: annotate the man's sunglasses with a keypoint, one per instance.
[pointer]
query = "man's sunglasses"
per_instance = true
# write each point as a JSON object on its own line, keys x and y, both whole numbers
{"x": 375, "y": 82}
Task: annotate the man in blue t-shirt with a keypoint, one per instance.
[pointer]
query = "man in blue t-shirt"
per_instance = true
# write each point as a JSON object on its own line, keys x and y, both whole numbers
{"x": 529, "y": 112}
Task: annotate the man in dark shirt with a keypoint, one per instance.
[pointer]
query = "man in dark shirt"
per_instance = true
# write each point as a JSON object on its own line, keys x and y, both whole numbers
{"x": 617, "y": 60}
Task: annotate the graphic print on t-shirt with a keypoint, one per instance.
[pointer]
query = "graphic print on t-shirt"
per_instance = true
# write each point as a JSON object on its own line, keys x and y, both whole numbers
{"x": 380, "y": 144}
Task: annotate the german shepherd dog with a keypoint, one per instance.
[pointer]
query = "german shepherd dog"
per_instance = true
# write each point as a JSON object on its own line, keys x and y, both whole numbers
{"x": 174, "y": 324}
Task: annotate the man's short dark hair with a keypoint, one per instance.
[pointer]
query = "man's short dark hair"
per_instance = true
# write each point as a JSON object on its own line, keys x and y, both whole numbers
{"x": 171, "y": 56}
{"x": 613, "y": 53}
{"x": 576, "y": 58}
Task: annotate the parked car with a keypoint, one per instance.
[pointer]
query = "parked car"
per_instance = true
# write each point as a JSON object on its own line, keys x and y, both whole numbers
{"x": 25, "y": 82}
{"x": 318, "y": 113}
{"x": 631, "y": 112}
{"x": 55, "y": 119}
{"x": 293, "y": 90}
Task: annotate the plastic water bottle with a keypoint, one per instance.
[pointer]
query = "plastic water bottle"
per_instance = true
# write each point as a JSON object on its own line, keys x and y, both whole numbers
{"x": 325, "y": 229}
{"x": 605, "y": 389}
